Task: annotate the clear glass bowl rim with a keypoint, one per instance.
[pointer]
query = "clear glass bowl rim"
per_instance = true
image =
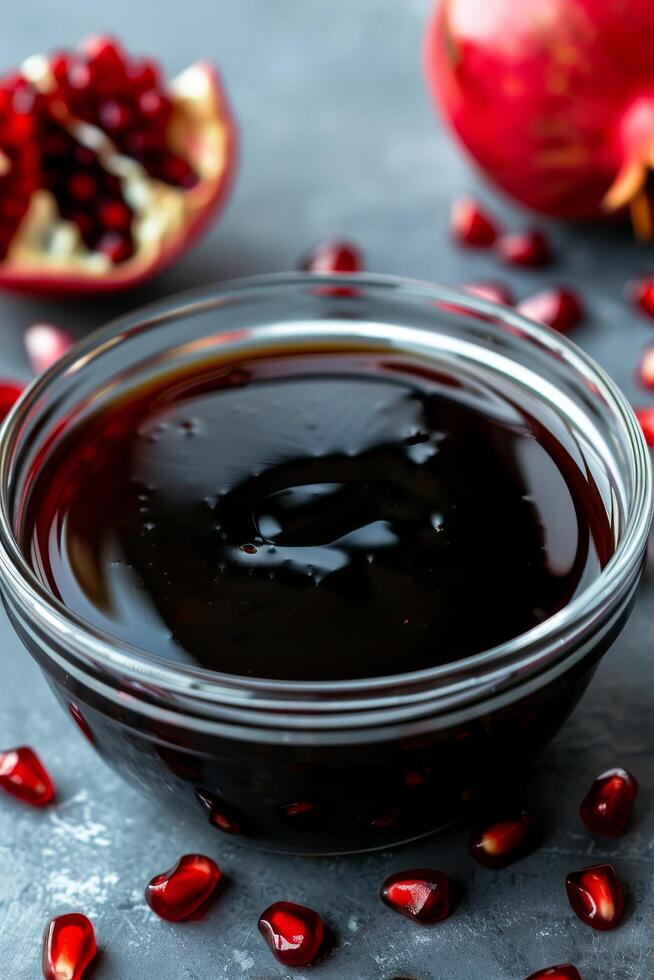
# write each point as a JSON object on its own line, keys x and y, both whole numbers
{"x": 485, "y": 670}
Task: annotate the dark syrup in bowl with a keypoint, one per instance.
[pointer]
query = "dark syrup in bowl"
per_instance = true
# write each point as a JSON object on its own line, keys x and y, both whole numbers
{"x": 316, "y": 516}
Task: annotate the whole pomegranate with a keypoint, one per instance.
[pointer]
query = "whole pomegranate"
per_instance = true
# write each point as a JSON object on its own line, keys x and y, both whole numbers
{"x": 553, "y": 98}
{"x": 106, "y": 172}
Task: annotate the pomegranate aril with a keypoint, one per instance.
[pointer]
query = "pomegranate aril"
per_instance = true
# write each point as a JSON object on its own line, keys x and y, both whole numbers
{"x": 470, "y": 225}
{"x": 115, "y": 216}
{"x": 185, "y": 889}
{"x": 176, "y": 171}
{"x": 23, "y": 775}
{"x": 142, "y": 74}
{"x": 294, "y": 933}
{"x": 334, "y": 255}
{"x": 645, "y": 417}
{"x": 19, "y": 156}
{"x": 106, "y": 62}
{"x": 115, "y": 246}
{"x": 422, "y": 894}
{"x": 114, "y": 116}
{"x": 69, "y": 946}
{"x": 82, "y": 187}
{"x": 642, "y": 294}
{"x": 560, "y": 309}
{"x": 525, "y": 248}
{"x": 607, "y": 806}
{"x": 596, "y": 896}
{"x": 10, "y": 392}
{"x": 565, "y": 971}
{"x": 154, "y": 106}
{"x": 645, "y": 372}
{"x": 494, "y": 292}
{"x": 45, "y": 344}
{"x": 499, "y": 842}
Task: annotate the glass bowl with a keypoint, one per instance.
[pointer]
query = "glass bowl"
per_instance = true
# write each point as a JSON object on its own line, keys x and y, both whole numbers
{"x": 338, "y": 766}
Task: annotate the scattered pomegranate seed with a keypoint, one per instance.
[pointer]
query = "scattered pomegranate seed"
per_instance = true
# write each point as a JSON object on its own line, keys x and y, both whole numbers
{"x": 504, "y": 841}
{"x": 421, "y": 894}
{"x": 81, "y": 722}
{"x": 294, "y": 933}
{"x": 608, "y": 803}
{"x": 23, "y": 775}
{"x": 645, "y": 372}
{"x": 596, "y": 896}
{"x": 646, "y": 418}
{"x": 471, "y": 225}
{"x": 494, "y": 292}
{"x": 526, "y": 248}
{"x": 185, "y": 889}
{"x": 565, "y": 971}
{"x": 10, "y": 392}
{"x": 334, "y": 256}
{"x": 641, "y": 292}
{"x": 45, "y": 344}
{"x": 560, "y": 309}
{"x": 68, "y": 947}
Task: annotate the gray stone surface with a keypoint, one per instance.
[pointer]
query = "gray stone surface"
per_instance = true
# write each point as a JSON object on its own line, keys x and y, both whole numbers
{"x": 338, "y": 136}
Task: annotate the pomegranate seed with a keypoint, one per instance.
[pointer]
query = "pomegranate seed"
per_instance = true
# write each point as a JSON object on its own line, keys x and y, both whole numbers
{"x": 153, "y": 105}
{"x": 596, "y": 896}
{"x": 646, "y": 418}
{"x": 114, "y": 116}
{"x": 334, "y": 255}
{"x": 82, "y": 187}
{"x": 68, "y": 947}
{"x": 501, "y": 842}
{"x": 645, "y": 372}
{"x": 294, "y": 933}
{"x": 23, "y": 775}
{"x": 143, "y": 74}
{"x": 45, "y": 344}
{"x": 422, "y": 894}
{"x": 470, "y": 225}
{"x": 642, "y": 294}
{"x": 116, "y": 247}
{"x": 185, "y": 889}
{"x": 115, "y": 216}
{"x": 494, "y": 292}
{"x": 10, "y": 392}
{"x": 565, "y": 971}
{"x": 608, "y": 803}
{"x": 556, "y": 308}
{"x": 81, "y": 722}
{"x": 526, "y": 248}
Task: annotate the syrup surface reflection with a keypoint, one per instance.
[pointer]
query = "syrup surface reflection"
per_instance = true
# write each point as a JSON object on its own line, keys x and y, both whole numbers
{"x": 322, "y": 516}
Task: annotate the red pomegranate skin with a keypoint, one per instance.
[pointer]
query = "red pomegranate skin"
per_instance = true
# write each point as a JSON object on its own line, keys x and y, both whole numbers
{"x": 552, "y": 98}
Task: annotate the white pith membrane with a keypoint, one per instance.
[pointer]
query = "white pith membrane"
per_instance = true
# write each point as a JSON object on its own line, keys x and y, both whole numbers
{"x": 45, "y": 244}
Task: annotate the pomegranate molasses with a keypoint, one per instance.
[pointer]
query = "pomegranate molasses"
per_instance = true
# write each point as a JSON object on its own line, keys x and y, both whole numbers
{"x": 315, "y": 516}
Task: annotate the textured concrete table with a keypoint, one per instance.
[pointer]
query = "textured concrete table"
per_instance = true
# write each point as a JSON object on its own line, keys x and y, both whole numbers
{"x": 337, "y": 137}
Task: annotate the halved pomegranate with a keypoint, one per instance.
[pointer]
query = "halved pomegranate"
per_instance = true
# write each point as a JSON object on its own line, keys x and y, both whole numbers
{"x": 106, "y": 174}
